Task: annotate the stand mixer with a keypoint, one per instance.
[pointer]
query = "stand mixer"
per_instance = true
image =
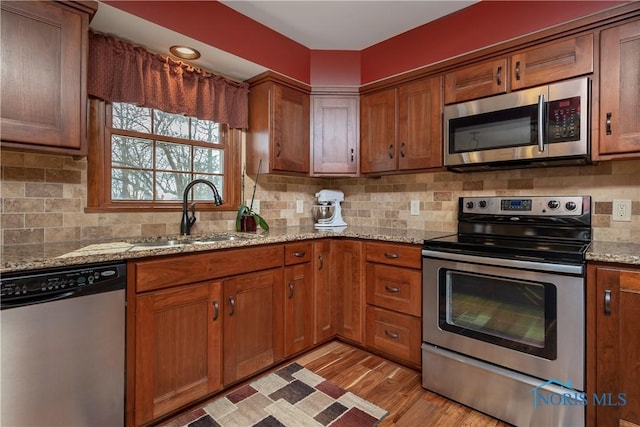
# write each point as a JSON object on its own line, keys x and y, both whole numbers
{"x": 328, "y": 213}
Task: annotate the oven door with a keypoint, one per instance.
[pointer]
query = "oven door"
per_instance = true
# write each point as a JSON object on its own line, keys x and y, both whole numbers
{"x": 521, "y": 315}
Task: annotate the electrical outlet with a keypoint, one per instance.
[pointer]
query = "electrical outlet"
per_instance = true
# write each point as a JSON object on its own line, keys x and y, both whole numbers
{"x": 415, "y": 207}
{"x": 299, "y": 206}
{"x": 621, "y": 210}
{"x": 256, "y": 206}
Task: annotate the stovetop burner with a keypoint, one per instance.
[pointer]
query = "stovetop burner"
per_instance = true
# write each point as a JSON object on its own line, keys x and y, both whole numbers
{"x": 540, "y": 228}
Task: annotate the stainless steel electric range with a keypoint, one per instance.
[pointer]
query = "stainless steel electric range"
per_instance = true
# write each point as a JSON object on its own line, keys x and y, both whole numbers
{"x": 504, "y": 308}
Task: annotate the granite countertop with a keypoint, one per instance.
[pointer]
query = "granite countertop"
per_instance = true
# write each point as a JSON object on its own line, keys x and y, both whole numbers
{"x": 50, "y": 255}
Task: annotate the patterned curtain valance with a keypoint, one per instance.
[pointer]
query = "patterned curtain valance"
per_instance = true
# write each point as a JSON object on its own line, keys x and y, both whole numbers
{"x": 122, "y": 72}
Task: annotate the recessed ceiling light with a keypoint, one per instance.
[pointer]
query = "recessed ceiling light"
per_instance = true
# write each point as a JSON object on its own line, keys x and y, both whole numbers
{"x": 184, "y": 52}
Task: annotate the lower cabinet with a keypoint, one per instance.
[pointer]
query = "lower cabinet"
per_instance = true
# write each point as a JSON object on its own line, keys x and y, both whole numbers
{"x": 252, "y": 323}
{"x": 325, "y": 304}
{"x": 178, "y": 348}
{"x": 615, "y": 298}
{"x": 347, "y": 274}
{"x": 298, "y": 298}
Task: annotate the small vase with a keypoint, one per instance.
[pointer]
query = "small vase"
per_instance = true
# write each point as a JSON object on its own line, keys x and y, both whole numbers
{"x": 248, "y": 223}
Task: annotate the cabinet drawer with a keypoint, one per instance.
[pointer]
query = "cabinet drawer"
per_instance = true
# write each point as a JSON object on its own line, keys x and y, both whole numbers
{"x": 297, "y": 253}
{"x": 395, "y": 334}
{"x": 161, "y": 273}
{"x": 394, "y": 288}
{"x": 394, "y": 254}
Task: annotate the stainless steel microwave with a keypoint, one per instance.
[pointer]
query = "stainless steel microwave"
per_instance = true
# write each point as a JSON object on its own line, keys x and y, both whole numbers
{"x": 533, "y": 127}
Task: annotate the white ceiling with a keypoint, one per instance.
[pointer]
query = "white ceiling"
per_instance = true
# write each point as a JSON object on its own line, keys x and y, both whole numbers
{"x": 344, "y": 25}
{"x": 322, "y": 25}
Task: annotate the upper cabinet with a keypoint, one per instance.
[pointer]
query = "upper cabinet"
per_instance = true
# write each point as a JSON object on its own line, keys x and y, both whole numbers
{"x": 334, "y": 134}
{"x": 545, "y": 63}
{"x": 619, "y": 91}
{"x": 400, "y": 127}
{"x": 278, "y": 126}
{"x": 43, "y": 79}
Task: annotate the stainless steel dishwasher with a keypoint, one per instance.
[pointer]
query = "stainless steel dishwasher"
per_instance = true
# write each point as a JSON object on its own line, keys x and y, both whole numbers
{"x": 62, "y": 347}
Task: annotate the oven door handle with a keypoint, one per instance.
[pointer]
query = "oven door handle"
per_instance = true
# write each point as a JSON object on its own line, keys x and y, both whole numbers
{"x": 512, "y": 263}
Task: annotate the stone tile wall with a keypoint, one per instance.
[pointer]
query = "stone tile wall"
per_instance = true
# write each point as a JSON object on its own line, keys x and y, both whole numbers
{"x": 44, "y": 197}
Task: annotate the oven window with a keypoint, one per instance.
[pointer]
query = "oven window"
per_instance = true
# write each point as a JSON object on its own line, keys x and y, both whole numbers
{"x": 520, "y": 315}
{"x": 498, "y": 129}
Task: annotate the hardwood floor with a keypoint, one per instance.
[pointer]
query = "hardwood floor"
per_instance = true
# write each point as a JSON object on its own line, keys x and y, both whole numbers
{"x": 390, "y": 386}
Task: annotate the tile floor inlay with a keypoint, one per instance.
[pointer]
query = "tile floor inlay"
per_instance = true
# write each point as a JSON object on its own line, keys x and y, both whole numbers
{"x": 290, "y": 397}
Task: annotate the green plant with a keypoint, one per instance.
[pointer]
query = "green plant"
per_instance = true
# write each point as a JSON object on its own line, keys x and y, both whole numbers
{"x": 247, "y": 209}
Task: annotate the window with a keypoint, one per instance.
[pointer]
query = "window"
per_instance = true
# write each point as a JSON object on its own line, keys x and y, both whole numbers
{"x": 149, "y": 157}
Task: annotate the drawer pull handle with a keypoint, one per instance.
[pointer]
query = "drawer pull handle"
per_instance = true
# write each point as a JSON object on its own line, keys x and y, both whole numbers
{"x": 321, "y": 262}
{"x": 607, "y": 302}
{"x": 232, "y": 304}
{"x": 518, "y": 70}
{"x": 391, "y": 255}
{"x": 353, "y": 157}
{"x": 290, "y": 290}
{"x": 216, "y": 309}
{"x": 391, "y": 289}
{"x": 393, "y": 335}
{"x": 608, "y": 124}
{"x": 390, "y": 151}
{"x": 299, "y": 254}
{"x": 498, "y": 76}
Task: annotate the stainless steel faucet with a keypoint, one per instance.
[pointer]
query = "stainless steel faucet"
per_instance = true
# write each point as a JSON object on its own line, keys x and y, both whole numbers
{"x": 187, "y": 222}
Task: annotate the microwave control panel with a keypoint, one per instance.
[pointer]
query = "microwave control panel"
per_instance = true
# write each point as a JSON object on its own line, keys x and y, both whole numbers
{"x": 563, "y": 120}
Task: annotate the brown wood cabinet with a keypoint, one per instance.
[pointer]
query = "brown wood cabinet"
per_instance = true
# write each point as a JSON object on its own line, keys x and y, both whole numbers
{"x": 620, "y": 91}
{"x": 394, "y": 300}
{"x": 43, "y": 80}
{"x": 542, "y": 64}
{"x": 334, "y": 135}
{"x": 325, "y": 291}
{"x": 278, "y": 126}
{"x": 298, "y": 298}
{"x": 400, "y": 128}
{"x": 253, "y": 329}
{"x": 617, "y": 344}
{"x": 348, "y": 276}
{"x": 178, "y": 348}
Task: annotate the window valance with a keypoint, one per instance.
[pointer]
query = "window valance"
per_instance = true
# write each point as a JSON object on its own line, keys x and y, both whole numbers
{"x": 122, "y": 72}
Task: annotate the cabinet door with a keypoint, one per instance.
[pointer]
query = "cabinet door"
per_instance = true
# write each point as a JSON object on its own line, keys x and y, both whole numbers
{"x": 252, "y": 323}
{"x": 552, "y": 62}
{"x": 476, "y": 81}
{"x": 335, "y": 135}
{"x": 290, "y": 125}
{"x": 178, "y": 348}
{"x": 347, "y": 273}
{"x": 619, "y": 89}
{"x": 43, "y": 55}
{"x": 420, "y": 124}
{"x": 618, "y": 345}
{"x": 298, "y": 308}
{"x": 378, "y": 132}
{"x": 326, "y": 292}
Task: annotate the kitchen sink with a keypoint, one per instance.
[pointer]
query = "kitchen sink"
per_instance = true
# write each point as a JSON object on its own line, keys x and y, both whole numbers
{"x": 158, "y": 244}
{"x": 206, "y": 240}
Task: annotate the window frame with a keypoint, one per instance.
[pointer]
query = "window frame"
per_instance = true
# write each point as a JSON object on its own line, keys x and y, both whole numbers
{"x": 99, "y": 168}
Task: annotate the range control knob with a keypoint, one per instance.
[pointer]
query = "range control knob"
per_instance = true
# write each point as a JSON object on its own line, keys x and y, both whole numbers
{"x": 553, "y": 204}
{"x": 571, "y": 206}
{"x": 482, "y": 204}
{"x": 470, "y": 205}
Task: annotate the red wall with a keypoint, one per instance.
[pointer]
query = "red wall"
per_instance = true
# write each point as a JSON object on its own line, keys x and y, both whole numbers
{"x": 480, "y": 25}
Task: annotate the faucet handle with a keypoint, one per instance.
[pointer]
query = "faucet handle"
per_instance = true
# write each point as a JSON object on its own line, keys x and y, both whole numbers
{"x": 192, "y": 219}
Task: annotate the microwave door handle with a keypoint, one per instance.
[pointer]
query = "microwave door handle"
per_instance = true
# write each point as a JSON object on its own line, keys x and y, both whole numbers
{"x": 541, "y": 122}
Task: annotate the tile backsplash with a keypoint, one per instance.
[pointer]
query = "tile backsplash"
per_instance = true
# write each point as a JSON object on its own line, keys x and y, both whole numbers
{"x": 44, "y": 197}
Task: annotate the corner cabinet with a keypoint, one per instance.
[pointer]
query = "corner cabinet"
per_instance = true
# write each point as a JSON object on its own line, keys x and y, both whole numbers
{"x": 615, "y": 292}
{"x": 401, "y": 129}
{"x": 620, "y": 91}
{"x": 43, "y": 81}
{"x": 278, "y": 133}
{"x": 334, "y": 135}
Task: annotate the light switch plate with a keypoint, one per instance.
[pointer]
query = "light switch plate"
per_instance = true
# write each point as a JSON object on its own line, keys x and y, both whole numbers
{"x": 415, "y": 207}
{"x": 299, "y": 206}
{"x": 621, "y": 210}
